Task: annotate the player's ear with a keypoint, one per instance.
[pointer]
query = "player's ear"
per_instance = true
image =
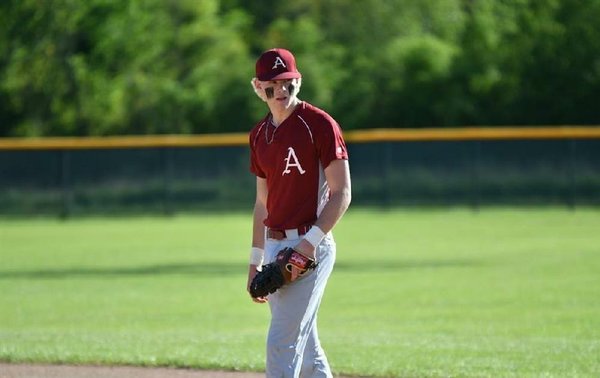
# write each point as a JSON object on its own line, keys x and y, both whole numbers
{"x": 258, "y": 89}
{"x": 298, "y": 84}
{"x": 255, "y": 83}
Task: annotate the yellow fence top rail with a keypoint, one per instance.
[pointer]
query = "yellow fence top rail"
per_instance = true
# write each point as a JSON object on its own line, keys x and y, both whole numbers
{"x": 138, "y": 141}
{"x": 354, "y": 136}
{"x": 475, "y": 133}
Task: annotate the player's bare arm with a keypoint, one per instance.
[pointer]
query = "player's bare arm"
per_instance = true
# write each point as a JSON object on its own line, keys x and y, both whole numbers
{"x": 337, "y": 175}
{"x": 258, "y": 228}
{"x": 260, "y": 213}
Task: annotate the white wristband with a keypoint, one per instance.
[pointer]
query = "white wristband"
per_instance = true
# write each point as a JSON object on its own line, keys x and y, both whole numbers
{"x": 256, "y": 256}
{"x": 314, "y": 236}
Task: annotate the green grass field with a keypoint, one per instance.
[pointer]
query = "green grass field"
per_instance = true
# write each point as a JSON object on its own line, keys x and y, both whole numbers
{"x": 418, "y": 293}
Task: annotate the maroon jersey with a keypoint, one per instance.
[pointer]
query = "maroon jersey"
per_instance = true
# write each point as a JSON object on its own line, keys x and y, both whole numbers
{"x": 293, "y": 157}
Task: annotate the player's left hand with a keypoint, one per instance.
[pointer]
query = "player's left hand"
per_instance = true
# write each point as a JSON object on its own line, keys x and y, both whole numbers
{"x": 305, "y": 248}
{"x": 295, "y": 273}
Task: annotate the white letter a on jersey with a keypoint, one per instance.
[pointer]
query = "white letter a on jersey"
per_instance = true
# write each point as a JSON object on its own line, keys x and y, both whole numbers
{"x": 292, "y": 161}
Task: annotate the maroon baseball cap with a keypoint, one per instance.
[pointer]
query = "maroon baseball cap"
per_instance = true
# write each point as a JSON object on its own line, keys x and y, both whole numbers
{"x": 276, "y": 64}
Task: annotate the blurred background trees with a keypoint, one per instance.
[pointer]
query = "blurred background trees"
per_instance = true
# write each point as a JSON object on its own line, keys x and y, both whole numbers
{"x": 112, "y": 67}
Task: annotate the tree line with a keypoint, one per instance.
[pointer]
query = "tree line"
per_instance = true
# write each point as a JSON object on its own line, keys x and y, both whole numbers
{"x": 113, "y": 67}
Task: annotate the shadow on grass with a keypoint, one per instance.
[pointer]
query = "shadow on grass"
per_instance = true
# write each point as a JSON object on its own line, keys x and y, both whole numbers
{"x": 222, "y": 269}
{"x": 399, "y": 265}
{"x": 194, "y": 269}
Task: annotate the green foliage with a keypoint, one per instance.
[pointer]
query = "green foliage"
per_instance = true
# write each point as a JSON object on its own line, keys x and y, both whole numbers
{"x": 104, "y": 67}
{"x": 126, "y": 67}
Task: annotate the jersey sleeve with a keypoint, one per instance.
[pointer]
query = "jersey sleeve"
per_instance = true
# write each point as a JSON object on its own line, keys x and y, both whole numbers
{"x": 331, "y": 144}
{"x": 254, "y": 165}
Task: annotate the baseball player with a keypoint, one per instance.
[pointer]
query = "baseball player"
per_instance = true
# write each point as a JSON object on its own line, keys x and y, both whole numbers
{"x": 300, "y": 160}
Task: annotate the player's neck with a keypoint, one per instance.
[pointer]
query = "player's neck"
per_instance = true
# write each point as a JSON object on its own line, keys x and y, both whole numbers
{"x": 280, "y": 114}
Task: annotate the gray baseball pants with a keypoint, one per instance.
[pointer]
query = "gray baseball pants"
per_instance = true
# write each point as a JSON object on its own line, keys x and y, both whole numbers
{"x": 293, "y": 347}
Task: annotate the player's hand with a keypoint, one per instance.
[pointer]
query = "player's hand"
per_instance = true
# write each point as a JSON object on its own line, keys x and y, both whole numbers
{"x": 251, "y": 274}
{"x": 260, "y": 299}
{"x": 295, "y": 273}
{"x": 305, "y": 248}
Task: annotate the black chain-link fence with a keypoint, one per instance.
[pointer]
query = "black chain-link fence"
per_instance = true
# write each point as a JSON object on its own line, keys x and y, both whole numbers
{"x": 410, "y": 173}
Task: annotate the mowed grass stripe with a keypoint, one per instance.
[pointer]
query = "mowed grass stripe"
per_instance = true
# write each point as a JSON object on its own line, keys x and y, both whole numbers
{"x": 427, "y": 293}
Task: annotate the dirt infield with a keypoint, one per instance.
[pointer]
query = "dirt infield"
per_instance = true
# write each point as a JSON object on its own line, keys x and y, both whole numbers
{"x": 68, "y": 371}
{"x": 85, "y": 371}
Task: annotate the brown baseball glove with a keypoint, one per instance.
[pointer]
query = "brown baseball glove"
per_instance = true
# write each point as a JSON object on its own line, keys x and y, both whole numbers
{"x": 279, "y": 273}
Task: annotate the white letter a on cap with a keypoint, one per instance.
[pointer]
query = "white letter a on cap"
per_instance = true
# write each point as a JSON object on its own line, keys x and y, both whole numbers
{"x": 278, "y": 62}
